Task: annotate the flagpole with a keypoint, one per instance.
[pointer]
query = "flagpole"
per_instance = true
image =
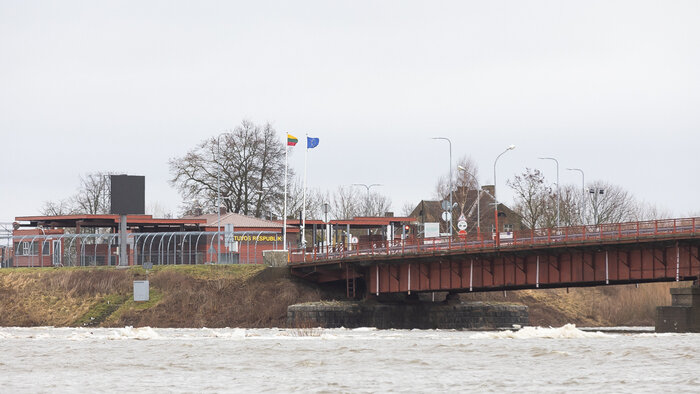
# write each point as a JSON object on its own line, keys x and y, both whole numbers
{"x": 303, "y": 209}
{"x": 286, "y": 165}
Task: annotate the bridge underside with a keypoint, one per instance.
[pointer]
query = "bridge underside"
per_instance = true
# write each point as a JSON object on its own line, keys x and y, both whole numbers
{"x": 546, "y": 267}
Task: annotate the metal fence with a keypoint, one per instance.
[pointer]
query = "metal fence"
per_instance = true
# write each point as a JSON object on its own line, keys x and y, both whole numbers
{"x": 52, "y": 250}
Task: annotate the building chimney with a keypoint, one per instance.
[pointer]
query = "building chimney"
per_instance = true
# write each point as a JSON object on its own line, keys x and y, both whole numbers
{"x": 222, "y": 211}
{"x": 490, "y": 189}
{"x": 389, "y": 214}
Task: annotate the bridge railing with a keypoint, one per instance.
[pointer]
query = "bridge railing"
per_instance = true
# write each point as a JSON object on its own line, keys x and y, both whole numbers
{"x": 542, "y": 236}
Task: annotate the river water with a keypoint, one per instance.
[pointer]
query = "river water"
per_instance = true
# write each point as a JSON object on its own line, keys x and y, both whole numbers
{"x": 564, "y": 359}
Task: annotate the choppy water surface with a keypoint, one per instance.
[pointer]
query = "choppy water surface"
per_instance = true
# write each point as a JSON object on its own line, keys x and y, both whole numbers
{"x": 340, "y": 360}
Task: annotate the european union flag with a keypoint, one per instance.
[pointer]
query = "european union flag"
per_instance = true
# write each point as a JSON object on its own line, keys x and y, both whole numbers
{"x": 311, "y": 142}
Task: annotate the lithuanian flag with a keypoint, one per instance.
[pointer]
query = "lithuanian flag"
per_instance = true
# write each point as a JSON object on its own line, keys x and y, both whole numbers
{"x": 291, "y": 140}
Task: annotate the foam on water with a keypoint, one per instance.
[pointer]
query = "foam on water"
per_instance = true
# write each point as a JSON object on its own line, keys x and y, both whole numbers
{"x": 130, "y": 332}
{"x": 568, "y": 331}
{"x": 341, "y": 360}
{"x": 364, "y": 329}
{"x": 226, "y": 333}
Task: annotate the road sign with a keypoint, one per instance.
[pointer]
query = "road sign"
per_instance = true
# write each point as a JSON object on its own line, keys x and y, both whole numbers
{"x": 445, "y": 205}
{"x": 462, "y": 232}
{"x": 431, "y": 230}
{"x": 228, "y": 235}
{"x": 325, "y": 208}
{"x": 462, "y": 218}
{"x": 462, "y": 225}
{"x": 446, "y": 216}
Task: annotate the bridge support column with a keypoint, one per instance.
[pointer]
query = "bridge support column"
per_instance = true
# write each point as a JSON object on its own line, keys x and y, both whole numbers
{"x": 408, "y": 315}
{"x": 684, "y": 313}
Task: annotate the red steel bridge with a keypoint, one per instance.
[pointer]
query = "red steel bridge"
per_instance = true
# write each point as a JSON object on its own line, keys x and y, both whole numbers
{"x": 621, "y": 253}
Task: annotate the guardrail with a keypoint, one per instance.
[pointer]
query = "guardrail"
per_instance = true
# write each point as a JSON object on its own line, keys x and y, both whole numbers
{"x": 547, "y": 236}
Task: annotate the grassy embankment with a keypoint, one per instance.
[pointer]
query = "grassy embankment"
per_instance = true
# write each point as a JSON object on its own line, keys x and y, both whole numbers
{"x": 180, "y": 296}
{"x": 254, "y": 296}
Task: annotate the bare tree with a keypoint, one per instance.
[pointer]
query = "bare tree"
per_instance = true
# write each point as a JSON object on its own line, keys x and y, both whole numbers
{"x": 532, "y": 197}
{"x": 345, "y": 202}
{"x": 157, "y": 210}
{"x": 92, "y": 197}
{"x": 375, "y": 204}
{"x": 57, "y": 208}
{"x": 461, "y": 179}
{"x": 248, "y": 161}
{"x": 570, "y": 205}
{"x": 646, "y": 211}
{"x": 609, "y": 204}
{"x": 407, "y": 208}
{"x": 295, "y": 198}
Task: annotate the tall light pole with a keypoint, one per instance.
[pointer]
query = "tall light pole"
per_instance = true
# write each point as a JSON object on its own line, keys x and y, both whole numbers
{"x": 595, "y": 191}
{"x": 450, "y": 142}
{"x": 558, "y": 193}
{"x": 478, "y": 199}
{"x": 583, "y": 193}
{"x": 218, "y": 200}
{"x": 495, "y": 210}
{"x": 367, "y": 187}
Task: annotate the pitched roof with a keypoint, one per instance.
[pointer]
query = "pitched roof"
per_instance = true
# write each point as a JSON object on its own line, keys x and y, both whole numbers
{"x": 237, "y": 220}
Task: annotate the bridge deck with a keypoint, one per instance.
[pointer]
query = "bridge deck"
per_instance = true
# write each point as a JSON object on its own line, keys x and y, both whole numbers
{"x": 663, "y": 250}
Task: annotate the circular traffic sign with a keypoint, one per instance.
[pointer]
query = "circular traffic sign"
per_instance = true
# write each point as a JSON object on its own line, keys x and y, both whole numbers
{"x": 462, "y": 225}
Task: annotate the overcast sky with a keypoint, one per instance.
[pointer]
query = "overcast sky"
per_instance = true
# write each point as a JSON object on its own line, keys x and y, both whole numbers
{"x": 611, "y": 87}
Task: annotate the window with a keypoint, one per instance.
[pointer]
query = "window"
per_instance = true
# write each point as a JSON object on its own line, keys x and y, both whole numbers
{"x": 508, "y": 228}
{"x": 46, "y": 248}
{"x": 27, "y": 248}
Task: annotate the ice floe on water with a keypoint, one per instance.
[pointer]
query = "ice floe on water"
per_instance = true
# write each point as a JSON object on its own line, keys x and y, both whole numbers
{"x": 568, "y": 331}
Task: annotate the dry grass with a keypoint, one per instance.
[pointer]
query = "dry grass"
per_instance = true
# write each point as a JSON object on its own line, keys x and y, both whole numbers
{"x": 621, "y": 305}
{"x": 60, "y": 297}
{"x": 254, "y": 296}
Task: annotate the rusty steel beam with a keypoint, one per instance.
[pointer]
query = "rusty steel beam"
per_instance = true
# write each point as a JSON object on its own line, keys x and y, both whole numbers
{"x": 526, "y": 266}
{"x": 510, "y": 271}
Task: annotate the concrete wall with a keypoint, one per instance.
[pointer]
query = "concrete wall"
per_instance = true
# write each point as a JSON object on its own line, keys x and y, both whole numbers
{"x": 684, "y": 313}
{"x": 475, "y": 315}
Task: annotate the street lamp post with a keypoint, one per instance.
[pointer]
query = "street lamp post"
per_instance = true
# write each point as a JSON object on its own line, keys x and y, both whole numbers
{"x": 367, "y": 187}
{"x": 450, "y": 142}
{"x": 495, "y": 211}
{"x": 558, "y": 192}
{"x": 595, "y": 191}
{"x": 478, "y": 199}
{"x": 583, "y": 194}
{"x": 218, "y": 200}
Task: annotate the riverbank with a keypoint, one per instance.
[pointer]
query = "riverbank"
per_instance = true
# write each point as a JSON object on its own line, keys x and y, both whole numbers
{"x": 256, "y": 296}
{"x": 180, "y": 296}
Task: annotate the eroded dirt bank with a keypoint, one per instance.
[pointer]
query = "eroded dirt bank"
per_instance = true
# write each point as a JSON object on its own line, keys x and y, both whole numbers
{"x": 255, "y": 296}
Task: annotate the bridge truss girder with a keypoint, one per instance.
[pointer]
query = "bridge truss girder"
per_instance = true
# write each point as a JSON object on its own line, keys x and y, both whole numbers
{"x": 547, "y": 267}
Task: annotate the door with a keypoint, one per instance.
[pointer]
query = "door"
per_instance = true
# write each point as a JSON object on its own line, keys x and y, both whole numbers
{"x": 56, "y": 256}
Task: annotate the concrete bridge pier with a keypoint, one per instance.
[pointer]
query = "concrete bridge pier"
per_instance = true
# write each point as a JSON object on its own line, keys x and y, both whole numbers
{"x": 409, "y": 313}
{"x": 684, "y": 313}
